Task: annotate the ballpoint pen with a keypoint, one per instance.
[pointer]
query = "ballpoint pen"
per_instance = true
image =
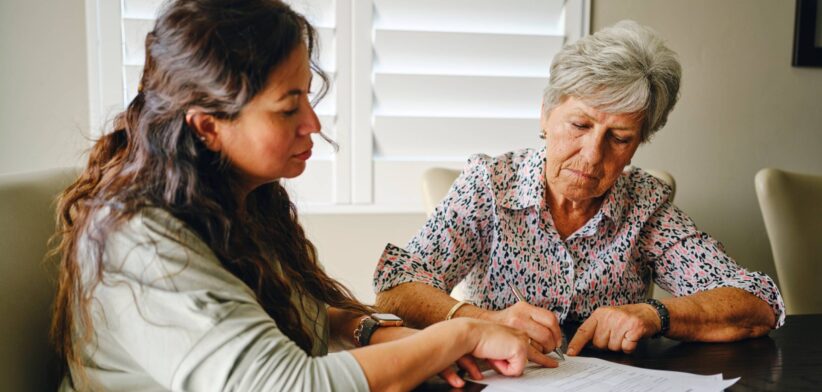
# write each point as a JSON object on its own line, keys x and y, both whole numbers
{"x": 521, "y": 298}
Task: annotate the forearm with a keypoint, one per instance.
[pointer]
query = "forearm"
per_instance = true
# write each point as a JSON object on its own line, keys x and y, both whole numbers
{"x": 421, "y": 305}
{"x": 400, "y": 365}
{"x": 719, "y": 315}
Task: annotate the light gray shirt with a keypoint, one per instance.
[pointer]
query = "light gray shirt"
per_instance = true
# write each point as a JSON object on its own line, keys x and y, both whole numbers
{"x": 168, "y": 316}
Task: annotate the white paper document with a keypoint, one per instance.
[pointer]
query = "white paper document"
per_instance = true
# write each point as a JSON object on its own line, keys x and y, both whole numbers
{"x": 581, "y": 374}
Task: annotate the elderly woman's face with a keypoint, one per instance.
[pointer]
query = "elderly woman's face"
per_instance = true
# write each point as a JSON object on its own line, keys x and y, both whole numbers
{"x": 587, "y": 149}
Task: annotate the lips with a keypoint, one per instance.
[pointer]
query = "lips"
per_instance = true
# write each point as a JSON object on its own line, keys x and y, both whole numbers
{"x": 304, "y": 155}
{"x": 583, "y": 174}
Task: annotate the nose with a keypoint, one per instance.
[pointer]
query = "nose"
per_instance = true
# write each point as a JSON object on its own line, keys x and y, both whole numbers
{"x": 593, "y": 148}
{"x": 310, "y": 122}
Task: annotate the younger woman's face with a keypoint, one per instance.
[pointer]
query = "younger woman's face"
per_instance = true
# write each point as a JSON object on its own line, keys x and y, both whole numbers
{"x": 271, "y": 137}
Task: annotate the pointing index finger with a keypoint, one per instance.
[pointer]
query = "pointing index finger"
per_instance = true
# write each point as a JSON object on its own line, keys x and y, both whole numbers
{"x": 584, "y": 335}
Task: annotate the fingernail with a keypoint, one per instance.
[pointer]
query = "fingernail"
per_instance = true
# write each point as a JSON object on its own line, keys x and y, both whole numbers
{"x": 571, "y": 351}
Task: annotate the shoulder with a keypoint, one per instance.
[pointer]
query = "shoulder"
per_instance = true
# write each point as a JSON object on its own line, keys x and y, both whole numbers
{"x": 644, "y": 189}
{"x": 159, "y": 229}
{"x": 154, "y": 248}
{"x": 503, "y": 172}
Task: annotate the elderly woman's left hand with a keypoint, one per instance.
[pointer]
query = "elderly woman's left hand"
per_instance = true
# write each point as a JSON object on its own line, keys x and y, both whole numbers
{"x": 616, "y": 328}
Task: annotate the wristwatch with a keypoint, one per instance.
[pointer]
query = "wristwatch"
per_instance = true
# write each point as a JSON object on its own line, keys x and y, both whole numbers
{"x": 664, "y": 318}
{"x": 367, "y": 326}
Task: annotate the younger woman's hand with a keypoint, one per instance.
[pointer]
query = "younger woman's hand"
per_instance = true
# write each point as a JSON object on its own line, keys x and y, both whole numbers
{"x": 506, "y": 349}
{"x": 466, "y": 362}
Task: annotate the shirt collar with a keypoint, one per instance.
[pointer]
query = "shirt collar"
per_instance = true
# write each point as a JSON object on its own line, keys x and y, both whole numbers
{"x": 614, "y": 202}
{"x": 526, "y": 187}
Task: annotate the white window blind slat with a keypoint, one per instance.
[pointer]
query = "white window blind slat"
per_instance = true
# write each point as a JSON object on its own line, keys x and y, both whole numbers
{"x": 539, "y": 17}
{"x": 451, "y": 138}
{"x": 401, "y": 51}
{"x": 457, "y": 96}
{"x": 141, "y": 9}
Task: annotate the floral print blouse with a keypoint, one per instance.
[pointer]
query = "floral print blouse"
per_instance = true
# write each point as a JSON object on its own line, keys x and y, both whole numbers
{"x": 494, "y": 226}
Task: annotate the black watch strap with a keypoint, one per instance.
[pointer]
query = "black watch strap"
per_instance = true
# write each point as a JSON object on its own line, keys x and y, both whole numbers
{"x": 364, "y": 331}
{"x": 664, "y": 317}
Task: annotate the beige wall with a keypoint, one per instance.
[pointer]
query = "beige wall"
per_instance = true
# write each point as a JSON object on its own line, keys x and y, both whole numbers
{"x": 349, "y": 245}
{"x": 43, "y": 88}
{"x": 743, "y": 107}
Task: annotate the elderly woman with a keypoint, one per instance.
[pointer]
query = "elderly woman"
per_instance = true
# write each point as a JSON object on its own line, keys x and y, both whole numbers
{"x": 581, "y": 237}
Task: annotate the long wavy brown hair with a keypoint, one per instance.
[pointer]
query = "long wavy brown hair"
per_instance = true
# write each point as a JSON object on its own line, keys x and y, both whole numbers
{"x": 215, "y": 55}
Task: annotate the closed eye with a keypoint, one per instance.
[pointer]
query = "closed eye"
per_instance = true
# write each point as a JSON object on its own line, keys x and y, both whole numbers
{"x": 620, "y": 140}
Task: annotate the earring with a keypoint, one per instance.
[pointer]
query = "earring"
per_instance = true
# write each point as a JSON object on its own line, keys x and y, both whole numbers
{"x": 202, "y": 138}
{"x": 542, "y": 134}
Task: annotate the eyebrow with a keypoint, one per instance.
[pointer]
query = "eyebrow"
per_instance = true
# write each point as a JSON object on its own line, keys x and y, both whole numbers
{"x": 615, "y": 128}
{"x": 290, "y": 93}
{"x": 297, "y": 91}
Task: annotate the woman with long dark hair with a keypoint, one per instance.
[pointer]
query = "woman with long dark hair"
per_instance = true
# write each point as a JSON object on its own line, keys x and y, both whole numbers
{"x": 183, "y": 265}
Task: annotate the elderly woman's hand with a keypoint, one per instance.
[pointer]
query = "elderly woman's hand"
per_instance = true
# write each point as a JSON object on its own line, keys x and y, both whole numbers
{"x": 616, "y": 328}
{"x": 541, "y": 325}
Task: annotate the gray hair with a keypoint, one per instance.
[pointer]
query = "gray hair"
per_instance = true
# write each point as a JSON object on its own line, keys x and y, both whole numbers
{"x": 625, "y": 68}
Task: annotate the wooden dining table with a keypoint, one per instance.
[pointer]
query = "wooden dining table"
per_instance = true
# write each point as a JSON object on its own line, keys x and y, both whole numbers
{"x": 787, "y": 359}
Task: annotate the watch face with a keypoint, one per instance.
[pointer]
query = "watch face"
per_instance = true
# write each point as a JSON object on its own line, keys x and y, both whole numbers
{"x": 385, "y": 317}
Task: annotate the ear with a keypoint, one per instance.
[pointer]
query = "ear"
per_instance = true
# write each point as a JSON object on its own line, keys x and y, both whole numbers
{"x": 207, "y": 127}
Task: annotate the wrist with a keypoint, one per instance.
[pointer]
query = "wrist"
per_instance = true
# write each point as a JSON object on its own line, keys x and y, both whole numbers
{"x": 369, "y": 325}
{"x": 466, "y": 333}
{"x": 470, "y": 311}
{"x": 662, "y": 321}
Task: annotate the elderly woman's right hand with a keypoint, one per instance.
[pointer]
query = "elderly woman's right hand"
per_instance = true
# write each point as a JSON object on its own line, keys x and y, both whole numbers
{"x": 541, "y": 325}
{"x": 506, "y": 349}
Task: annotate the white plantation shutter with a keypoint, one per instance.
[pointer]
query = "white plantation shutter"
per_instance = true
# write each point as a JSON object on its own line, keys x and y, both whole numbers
{"x": 453, "y": 78}
{"x": 415, "y": 84}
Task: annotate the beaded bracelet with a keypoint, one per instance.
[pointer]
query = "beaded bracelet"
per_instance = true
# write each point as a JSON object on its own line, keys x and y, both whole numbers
{"x": 664, "y": 317}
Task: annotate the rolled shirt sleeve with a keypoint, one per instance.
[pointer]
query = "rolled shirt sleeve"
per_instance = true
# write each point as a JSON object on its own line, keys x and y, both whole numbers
{"x": 452, "y": 241}
{"x": 687, "y": 261}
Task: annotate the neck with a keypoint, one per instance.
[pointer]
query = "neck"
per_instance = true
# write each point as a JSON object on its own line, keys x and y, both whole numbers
{"x": 241, "y": 194}
{"x": 565, "y": 206}
{"x": 570, "y": 215}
